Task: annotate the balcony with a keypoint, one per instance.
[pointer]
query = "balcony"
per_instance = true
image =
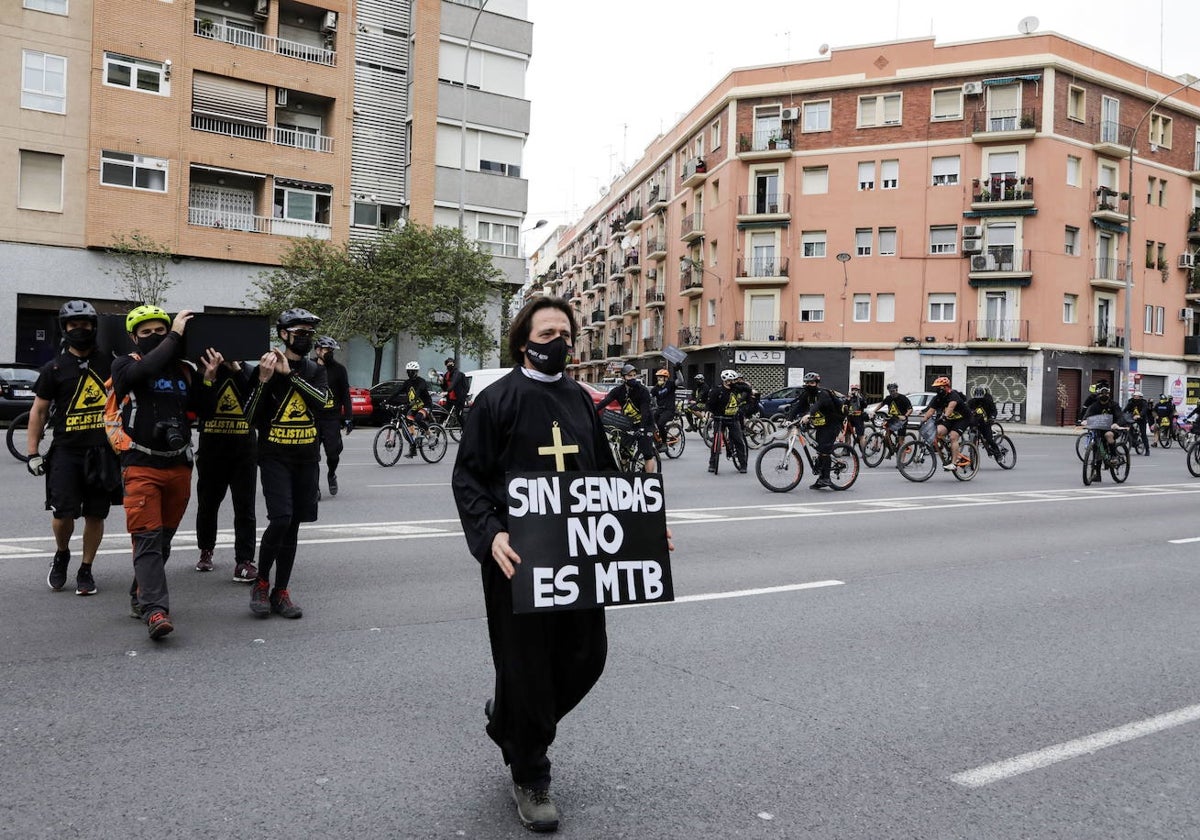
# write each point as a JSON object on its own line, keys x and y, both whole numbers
{"x": 597, "y": 316}
{"x": 689, "y": 337}
{"x": 246, "y": 130}
{"x": 692, "y": 227}
{"x": 691, "y": 282}
{"x": 657, "y": 199}
{"x": 1111, "y": 207}
{"x": 1000, "y": 265}
{"x": 652, "y": 344}
{"x": 1002, "y": 192}
{"x": 1108, "y": 337}
{"x": 615, "y": 351}
{"x": 655, "y": 299}
{"x": 614, "y": 311}
{"x": 629, "y": 306}
{"x": 213, "y": 31}
{"x": 1193, "y": 226}
{"x": 634, "y": 218}
{"x": 1004, "y": 125}
{"x": 765, "y": 144}
{"x": 572, "y": 295}
{"x": 1108, "y": 273}
{"x": 987, "y": 332}
{"x": 1191, "y": 345}
{"x": 616, "y": 271}
{"x": 764, "y": 207}
{"x": 760, "y": 331}
{"x": 762, "y": 271}
{"x": 1113, "y": 139}
{"x": 633, "y": 263}
{"x": 656, "y": 248}
{"x": 695, "y": 171}
{"x": 205, "y": 217}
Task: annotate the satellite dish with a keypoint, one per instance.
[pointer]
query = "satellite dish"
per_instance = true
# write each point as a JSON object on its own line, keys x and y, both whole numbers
{"x": 824, "y": 48}
{"x": 633, "y": 242}
{"x": 1028, "y": 25}
{"x": 625, "y": 243}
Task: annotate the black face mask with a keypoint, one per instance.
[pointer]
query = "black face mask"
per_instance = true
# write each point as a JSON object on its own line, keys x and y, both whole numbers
{"x": 81, "y": 338}
{"x": 301, "y": 344}
{"x": 149, "y": 343}
{"x": 549, "y": 358}
{"x": 412, "y": 374}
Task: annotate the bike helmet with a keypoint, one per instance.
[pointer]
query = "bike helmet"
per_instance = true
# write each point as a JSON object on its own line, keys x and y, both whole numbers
{"x": 661, "y": 372}
{"x": 1163, "y": 398}
{"x": 1103, "y": 388}
{"x": 978, "y": 392}
{"x": 627, "y": 369}
{"x": 729, "y": 375}
{"x": 328, "y": 343}
{"x": 699, "y": 377}
{"x": 941, "y": 381}
{"x": 142, "y": 314}
{"x": 412, "y": 366}
{"x": 296, "y": 317}
{"x": 812, "y": 378}
{"x": 855, "y": 388}
{"x": 893, "y": 386}
{"x": 76, "y": 310}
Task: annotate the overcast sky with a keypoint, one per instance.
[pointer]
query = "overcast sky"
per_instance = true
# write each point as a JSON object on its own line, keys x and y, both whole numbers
{"x": 607, "y": 78}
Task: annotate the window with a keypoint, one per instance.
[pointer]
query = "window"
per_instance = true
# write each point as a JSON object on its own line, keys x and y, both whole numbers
{"x": 365, "y": 214}
{"x": 879, "y": 110}
{"x": 812, "y": 243}
{"x": 1076, "y": 104}
{"x": 947, "y": 104}
{"x": 1148, "y": 320}
{"x": 812, "y": 307}
{"x": 1110, "y": 115}
{"x": 941, "y": 307}
{"x": 139, "y": 172}
{"x": 54, "y": 7}
{"x": 816, "y": 180}
{"x": 712, "y": 312}
{"x": 863, "y": 238}
{"x": 1074, "y": 171}
{"x": 44, "y": 82}
{"x": 1160, "y": 131}
{"x": 866, "y": 175}
{"x": 1156, "y": 192}
{"x": 1070, "y": 309}
{"x": 1160, "y": 316}
{"x": 302, "y": 205}
{"x": 40, "y": 184}
{"x": 889, "y": 174}
{"x": 498, "y": 238}
{"x": 862, "y": 307}
{"x": 885, "y": 308}
{"x": 512, "y": 170}
{"x": 715, "y": 135}
{"x": 817, "y": 115}
{"x": 943, "y": 239}
{"x": 1071, "y": 246}
{"x": 945, "y": 171}
{"x": 1107, "y": 176}
{"x": 887, "y": 242}
{"x": 134, "y": 73}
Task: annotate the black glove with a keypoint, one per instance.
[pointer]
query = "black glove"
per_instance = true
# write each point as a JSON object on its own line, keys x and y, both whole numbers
{"x": 36, "y": 465}
{"x": 348, "y": 425}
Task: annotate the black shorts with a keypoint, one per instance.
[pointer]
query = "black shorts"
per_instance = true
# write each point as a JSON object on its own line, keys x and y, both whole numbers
{"x": 69, "y": 492}
{"x": 960, "y": 425}
{"x": 290, "y": 489}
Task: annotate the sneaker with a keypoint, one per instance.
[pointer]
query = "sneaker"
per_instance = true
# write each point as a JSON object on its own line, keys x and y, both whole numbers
{"x": 535, "y": 808}
{"x": 412, "y": 453}
{"x": 57, "y": 578}
{"x": 821, "y": 484}
{"x": 712, "y": 469}
{"x": 260, "y": 600}
{"x": 333, "y": 484}
{"x": 85, "y": 584}
{"x": 245, "y": 573}
{"x": 281, "y": 603}
{"x": 159, "y": 624}
{"x": 947, "y": 467}
{"x": 205, "y": 563}
{"x": 742, "y": 470}
{"x": 489, "y": 708}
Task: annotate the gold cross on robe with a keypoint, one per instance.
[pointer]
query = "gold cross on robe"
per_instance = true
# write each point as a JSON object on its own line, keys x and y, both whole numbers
{"x": 558, "y": 450}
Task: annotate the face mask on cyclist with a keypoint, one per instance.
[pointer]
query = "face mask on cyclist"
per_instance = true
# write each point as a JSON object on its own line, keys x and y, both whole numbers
{"x": 81, "y": 338}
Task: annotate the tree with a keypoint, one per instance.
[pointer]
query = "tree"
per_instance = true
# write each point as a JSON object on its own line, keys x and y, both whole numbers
{"x": 141, "y": 268}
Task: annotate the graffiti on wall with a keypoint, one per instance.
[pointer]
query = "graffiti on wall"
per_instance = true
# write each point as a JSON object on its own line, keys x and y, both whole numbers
{"x": 1007, "y": 386}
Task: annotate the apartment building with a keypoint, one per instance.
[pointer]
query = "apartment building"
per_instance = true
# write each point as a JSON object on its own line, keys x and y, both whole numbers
{"x": 907, "y": 210}
{"x": 229, "y": 129}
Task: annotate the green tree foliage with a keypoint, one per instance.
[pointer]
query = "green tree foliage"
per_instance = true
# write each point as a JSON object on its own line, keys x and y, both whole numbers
{"x": 141, "y": 270}
{"x": 414, "y": 280}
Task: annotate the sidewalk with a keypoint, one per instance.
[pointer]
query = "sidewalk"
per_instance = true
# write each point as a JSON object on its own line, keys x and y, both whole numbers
{"x": 1034, "y": 429}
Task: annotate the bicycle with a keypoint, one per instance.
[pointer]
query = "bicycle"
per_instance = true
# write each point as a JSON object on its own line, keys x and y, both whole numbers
{"x": 758, "y": 430}
{"x": 720, "y": 441}
{"x": 881, "y": 444}
{"x": 390, "y": 441}
{"x": 1134, "y": 436}
{"x": 780, "y": 466}
{"x": 918, "y": 460}
{"x": 1097, "y": 455}
{"x": 1163, "y": 432}
{"x": 670, "y": 439}
{"x": 1003, "y": 451}
{"x": 1193, "y": 458}
{"x": 17, "y": 429}
{"x": 449, "y": 419}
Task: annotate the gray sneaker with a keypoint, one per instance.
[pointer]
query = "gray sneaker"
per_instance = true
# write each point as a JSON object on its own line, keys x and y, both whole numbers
{"x": 535, "y": 808}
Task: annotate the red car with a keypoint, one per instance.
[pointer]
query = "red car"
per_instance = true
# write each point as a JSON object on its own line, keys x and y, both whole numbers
{"x": 360, "y": 403}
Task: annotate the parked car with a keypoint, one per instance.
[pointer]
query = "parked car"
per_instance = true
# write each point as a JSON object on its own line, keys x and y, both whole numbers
{"x": 383, "y": 391}
{"x": 919, "y": 400}
{"x": 776, "y": 401}
{"x": 477, "y": 380}
{"x": 596, "y": 392}
{"x": 16, "y": 389}
{"x": 360, "y": 404}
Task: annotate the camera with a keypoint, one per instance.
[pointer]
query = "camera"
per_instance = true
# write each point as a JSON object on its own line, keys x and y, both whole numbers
{"x": 172, "y": 433}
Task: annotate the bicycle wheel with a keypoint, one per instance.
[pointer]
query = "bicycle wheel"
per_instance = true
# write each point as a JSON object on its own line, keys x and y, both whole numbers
{"x": 389, "y": 444}
{"x": 453, "y": 426}
{"x": 432, "y": 445}
{"x": 843, "y": 472}
{"x": 1164, "y": 437}
{"x": 1193, "y": 459}
{"x": 758, "y": 432}
{"x": 873, "y": 448}
{"x": 674, "y": 439}
{"x": 997, "y": 430}
{"x": 1139, "y": 445}
{"x": 968, "y": 451}
{"x": 16, "y": 436}
{"x": 716, "y": 447}
{"x": 1081, "y": 445}
{"x": 1006, "y": 452}
{"x": 1091, "y": 464}
{"x": 1120, "y": 470}
{"x": 706, "y": 431}
{"x": 779, "y": 467}
{"x": 916, "y": 461}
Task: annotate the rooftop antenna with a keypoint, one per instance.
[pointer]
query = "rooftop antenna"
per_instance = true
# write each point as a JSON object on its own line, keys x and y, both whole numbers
{"x": 1028, "y": 25}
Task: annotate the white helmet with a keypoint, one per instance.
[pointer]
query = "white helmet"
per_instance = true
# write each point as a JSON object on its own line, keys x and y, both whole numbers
{"x": 412, "y": 366}
{"x": 729, "y": 375}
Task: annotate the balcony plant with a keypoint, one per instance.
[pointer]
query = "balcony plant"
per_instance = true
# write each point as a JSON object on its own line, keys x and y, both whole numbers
{"x": 1027, "y": 121}
{"x": 206, "y": 27}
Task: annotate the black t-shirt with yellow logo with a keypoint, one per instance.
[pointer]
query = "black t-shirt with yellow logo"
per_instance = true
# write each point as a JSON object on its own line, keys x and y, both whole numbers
{"x": 74, "y": 385}
{"x": 225, "y": 429}
{"x": 284, "y": 410}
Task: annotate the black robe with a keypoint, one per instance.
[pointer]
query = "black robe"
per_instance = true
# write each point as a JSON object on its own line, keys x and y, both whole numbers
{"x": 545, "y": 663}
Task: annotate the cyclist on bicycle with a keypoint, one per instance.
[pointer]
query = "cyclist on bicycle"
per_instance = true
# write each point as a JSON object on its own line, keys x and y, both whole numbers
{"x": 700, "y": 390}
{"x": 663, "y": 393}
{"x": 951, "y": 406}
{"x": 1091, "y": 398}
{"x": 1163, "y": 409}
{"x": 819, "y": 407}
{"x": 726, "y": 405}
{"x": 856, "y": 403}
{"x": 636, "y": 404}
{"x": 1105, "y": 405}
{"x": 1137, "y": 410}
{"x": 414, "y": 399}
{"x": 896, "y": 408}
{"x": 982, "y": 410}
{"x": 454, "y": 383}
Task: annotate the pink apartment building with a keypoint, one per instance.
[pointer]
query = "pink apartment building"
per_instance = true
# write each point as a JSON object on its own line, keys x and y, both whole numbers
{"x": 907, "y": 210}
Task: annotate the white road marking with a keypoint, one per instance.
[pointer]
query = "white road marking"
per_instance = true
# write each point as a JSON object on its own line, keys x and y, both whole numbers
{"x": 429, "y": 484}
{"x": 1000, "y": 770}
{"x": 738, "y": 593}
{"x": 1184, "y": 541}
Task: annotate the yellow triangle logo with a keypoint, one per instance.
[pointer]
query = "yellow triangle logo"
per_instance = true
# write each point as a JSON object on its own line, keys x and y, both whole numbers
{"x": 294, "y": 412}
{"x": 227, "y": 403}
{"x": 90, "y": 395}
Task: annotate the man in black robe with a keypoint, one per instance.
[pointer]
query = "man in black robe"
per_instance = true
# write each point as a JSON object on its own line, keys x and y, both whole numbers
{"x": 532, "y": 419}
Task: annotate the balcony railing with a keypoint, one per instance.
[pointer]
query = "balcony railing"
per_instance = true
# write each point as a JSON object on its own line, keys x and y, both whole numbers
{"x": 628, "y": 304}
{"x": 762, "y": 267}
{"x": 614, "y": 309}
{"x": 1108, "y": 337}
{"x": 654, "y": 296}
{"x": 1114, "y": 134}
{"x": 632, "y": 260}
{"x": 1191, "y": 345}
{"x": 691, "y": 224}
{"x": 204, "y": 217}
{"x": 1111, "y": 202}
{"x": 205, "y": 28}
{"x": 689, "y": 336}
{"x": 301, "y": 139}
{"x": 765, "y": 139}
{"x": 656, "y": 245}
{"x": 1000, "y": 258}
{"x": 615, "y": 351}
{"x": 246, "y": 130}
{"x": 764, "y": 205}
{"x": 597, "y": 316}
{"x": 1002, "y": 188}
{"x": 998, "y": 330}
{"x": 1108, "y": 268}
{"x": 692, "y": 278}
{"x": 1011, "y": 119}
{"x": 760, "y": 331}
{"x": 651, "y": 344}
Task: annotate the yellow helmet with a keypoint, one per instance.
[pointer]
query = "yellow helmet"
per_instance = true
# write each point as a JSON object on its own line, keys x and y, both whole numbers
{"x": 145, "y": 313}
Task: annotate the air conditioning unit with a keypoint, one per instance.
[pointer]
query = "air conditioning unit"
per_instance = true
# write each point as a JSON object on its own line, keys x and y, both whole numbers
{"x": 790, "y": 114}
{"x": 1187, "y": 260}
{"x": 1186, "y": 314}
{"x": 281, "y": 95}
{"x": 261, "y": 9}
{"x": 972, "y": 246}
{"x": 983, "y": 262}
{"x": 651, "y": 273}
{"x": 972, "y": 231}
{"x": 329, "y": 24}
{"x": 972, "y": 88}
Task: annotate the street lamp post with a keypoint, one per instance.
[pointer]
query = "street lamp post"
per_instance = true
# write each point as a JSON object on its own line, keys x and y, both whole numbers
{"x": 1125, "y": 356}
{"x": 462, "y": 131}
{"x": 844, "y": 258}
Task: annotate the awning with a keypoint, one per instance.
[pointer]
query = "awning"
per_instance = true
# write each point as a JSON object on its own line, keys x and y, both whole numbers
{"x": 224, "y": 171}
{"x": 1000, "y": 211}
{"x": 1113, "y": 227}
{"x": 303, "y": 185}
{"x": 1008, "y": 80}
{"x": 998, "y": 282}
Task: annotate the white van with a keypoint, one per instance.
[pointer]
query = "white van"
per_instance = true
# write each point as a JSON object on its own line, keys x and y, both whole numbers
{"x": 480, "y": 379}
